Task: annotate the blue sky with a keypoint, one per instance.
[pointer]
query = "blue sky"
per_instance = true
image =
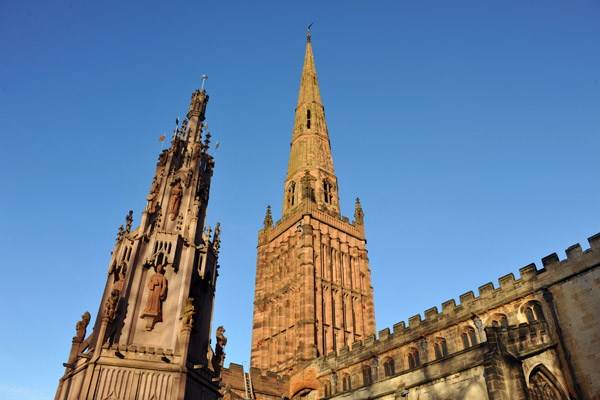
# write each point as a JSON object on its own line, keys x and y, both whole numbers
{"x": 469, "y": 129}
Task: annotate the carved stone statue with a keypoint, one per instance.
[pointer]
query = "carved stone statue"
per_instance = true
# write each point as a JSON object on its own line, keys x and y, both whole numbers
{"x": 188, "y": 313}
{"x": 219, "y": 356}
{"x": 158, "y": 291}
{"x": 82, "y": 325}
{"x": 111, "y": 303}
{"x": 175, "y": 200}
{"x": 156, "y": 295}
{"x": 153, "y": 196}
{"x": 119, "y": 284}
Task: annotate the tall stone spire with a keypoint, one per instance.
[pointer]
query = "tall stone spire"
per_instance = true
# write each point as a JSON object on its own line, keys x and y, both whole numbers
{"x": 309, "y": 86}
{"x": 313, "y": 293}
{"x": 310, "y": 148}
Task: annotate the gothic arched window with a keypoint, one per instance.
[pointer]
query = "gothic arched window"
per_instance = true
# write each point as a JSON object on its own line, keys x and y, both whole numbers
{"x": 388, "y": 367}
{"x": 413, "y": 359}
{"x": 533, "y": 312}
{"x": 469, "y": 338}
{"x": 367, "y": 375}
{"x": 291, "y": 194}
{"x": 499, "y": 320}
{"x": 544, "y": 386}
{"x": 307, "y": 119}
{"x": 327, "y": 389}
{"x": 440, "y": 348}
{"x": 346, "y": 383}
{"x": 327, "y": 196}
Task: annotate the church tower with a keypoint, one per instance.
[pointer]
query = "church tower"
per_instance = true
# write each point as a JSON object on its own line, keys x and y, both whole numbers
{"x": 313, "y": 290}
{"x": 151, "y": 337}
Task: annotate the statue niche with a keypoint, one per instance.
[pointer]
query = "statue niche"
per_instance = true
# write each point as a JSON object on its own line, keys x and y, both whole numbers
{"x": 175, "y": 201}
{"x": 157, "y": 293}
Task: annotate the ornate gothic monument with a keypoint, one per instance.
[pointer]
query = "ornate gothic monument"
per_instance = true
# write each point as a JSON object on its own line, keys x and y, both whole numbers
{"x": 313, "y": 283}
{"x": 152, "y": 332}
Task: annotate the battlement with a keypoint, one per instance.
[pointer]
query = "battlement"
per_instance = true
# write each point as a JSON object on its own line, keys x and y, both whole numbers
{"x": 489, "y": 297}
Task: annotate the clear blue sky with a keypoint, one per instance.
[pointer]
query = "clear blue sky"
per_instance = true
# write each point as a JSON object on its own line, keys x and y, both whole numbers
{"x": 469, "y": 129}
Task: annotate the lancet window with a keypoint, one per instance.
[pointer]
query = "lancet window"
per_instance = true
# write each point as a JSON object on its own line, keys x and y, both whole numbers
{"x": 388, "y": 367}
{"x": 499, "y": 320}
{"x": 533, "y": 312}
{"x": 327, "y": 389}
{"x": 307, "y": 119}
{"x": 291, "y": 195}
{"x": 413, "y": 358}
{"x": 346, "y": 383}
{"x": 469, "y": 338}
{"x": 327, "y": 188}
{"x": 440, "y": 348}
{"x": 367, "y": 375}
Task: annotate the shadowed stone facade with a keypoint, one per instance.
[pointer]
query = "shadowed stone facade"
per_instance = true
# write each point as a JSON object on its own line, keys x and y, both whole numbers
{"x": 152, "y": 332}
{"x": 536, "y": 337}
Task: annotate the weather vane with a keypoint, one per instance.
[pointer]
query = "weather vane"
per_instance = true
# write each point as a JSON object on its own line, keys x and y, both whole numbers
{"x": 204, "y": 78}
{"x": 308, "y": 34}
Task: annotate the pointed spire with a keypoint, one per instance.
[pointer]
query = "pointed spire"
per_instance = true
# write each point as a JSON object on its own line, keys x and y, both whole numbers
{"x": 268, "y": 219}
{"x": 311, "y": 166}
{"x": 358, "y": 213}
{"x": 309, "y": 86}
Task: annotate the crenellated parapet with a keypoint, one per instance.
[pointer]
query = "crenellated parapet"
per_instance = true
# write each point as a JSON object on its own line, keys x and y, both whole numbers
{"x": 516, "y": 309}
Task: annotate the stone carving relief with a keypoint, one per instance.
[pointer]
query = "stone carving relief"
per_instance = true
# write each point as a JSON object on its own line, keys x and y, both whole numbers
{"x": 219, "y": 356}
{"x": 157, "y": 293}
{"x": 82, "y": 325}
{"x": 188, "y": 313}
{"x": 153, "y": 196}
{"x": 111, "y": 304}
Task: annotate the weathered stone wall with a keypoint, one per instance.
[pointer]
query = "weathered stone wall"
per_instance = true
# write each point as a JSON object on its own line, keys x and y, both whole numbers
{"x": 313, "y": 290}
{"x": 576, "y": 301}
{"x": 559, "y": 337}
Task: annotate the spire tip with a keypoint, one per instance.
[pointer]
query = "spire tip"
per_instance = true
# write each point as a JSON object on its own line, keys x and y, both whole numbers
{"x": 308, "y": 33}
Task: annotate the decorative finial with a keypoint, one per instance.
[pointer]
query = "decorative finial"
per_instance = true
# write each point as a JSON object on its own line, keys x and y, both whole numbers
{"x": 204, "y": 78}
{"x": 120, "y": 233}
{"x": 268, "y": 219}
{"x": 308, "y": 34}
{"x": 129, "y": 220}
{"x": 207, "y": 140}
{"x": 217, "y": 238}
{"x": 358, "y": 212}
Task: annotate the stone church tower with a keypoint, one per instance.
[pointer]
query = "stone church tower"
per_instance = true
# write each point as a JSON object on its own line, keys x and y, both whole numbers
{"x": 151, "y": 338}
{"x": 313, "y": 291}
